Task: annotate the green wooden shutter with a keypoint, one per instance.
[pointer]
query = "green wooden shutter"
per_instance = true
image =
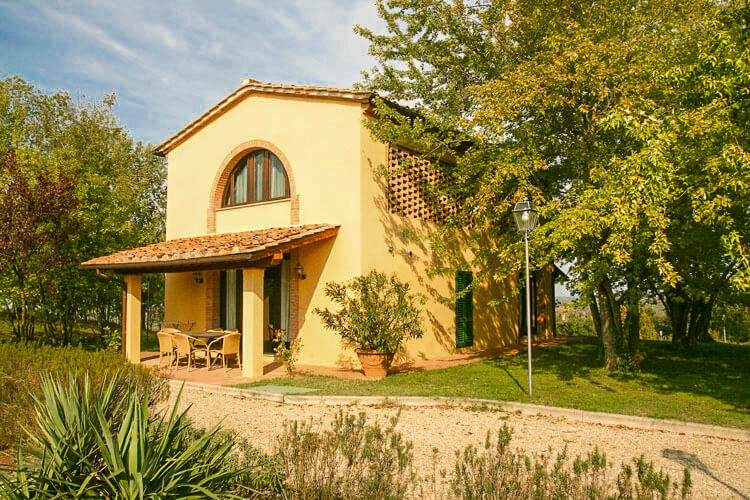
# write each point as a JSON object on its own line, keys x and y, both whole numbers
{"x": 464, "y": 310}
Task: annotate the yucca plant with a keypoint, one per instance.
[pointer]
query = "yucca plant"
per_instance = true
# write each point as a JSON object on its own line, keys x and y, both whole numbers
{"x": 92, "y": 445}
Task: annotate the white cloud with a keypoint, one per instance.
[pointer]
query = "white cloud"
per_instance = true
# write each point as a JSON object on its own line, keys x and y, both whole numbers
{"x": 163, "y": 35}
{"x": 94, "y": 32}
{"x": 170, "y": 61}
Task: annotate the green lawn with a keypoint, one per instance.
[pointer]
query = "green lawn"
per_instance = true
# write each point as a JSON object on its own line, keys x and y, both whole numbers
{"x": 710, "y": 385}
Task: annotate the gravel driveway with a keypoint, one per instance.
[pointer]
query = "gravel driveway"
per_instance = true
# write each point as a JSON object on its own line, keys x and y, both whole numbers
{"x": 720, "y": 467}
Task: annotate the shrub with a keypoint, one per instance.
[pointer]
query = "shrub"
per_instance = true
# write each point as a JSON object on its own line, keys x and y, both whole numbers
{"x": 98, "y": 443}
{"x": 353, "y": 460}
{"x": 377, "y": 312}
{"x": 263, "y": 474}
{"x": 575, "y": 324}
{"x": 21, "y": 368}
{"x": 499, "y": 472}
{"x": 735, "y": 318}
{"x": 288, "y": 354}
{"x": 112, "y": 339}
{"x": 360, "y": 460}
{"x": 655, "y": 325}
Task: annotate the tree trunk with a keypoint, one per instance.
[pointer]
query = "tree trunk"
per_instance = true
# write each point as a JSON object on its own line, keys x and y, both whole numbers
{"x": 595, "y": 316}
{"x": 690, "y": 318}
{"x": 678, "y": 316}
{"x": 700, "y": 316}
{"x": 610, "y": 321}
{"x": 703, "y": 335}
{"x": 633, "y": 324}
{"x": 21, "y": 320}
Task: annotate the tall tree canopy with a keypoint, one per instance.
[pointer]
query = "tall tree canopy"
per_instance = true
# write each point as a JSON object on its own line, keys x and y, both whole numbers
{"x": 624, "y": 120}
{"x": 118, "y": 188}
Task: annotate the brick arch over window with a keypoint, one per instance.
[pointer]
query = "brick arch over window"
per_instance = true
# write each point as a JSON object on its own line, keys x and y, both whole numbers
{"x": 225, "y": 170}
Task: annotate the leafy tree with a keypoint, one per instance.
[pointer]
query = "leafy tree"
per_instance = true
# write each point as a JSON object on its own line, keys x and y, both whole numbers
{"x": 734, "y": 318}
{"x": 120, "y": 188}
{"x": 566, "y": 103}
{"x": 35, "y": 221}
{"x": 696, "y": 137}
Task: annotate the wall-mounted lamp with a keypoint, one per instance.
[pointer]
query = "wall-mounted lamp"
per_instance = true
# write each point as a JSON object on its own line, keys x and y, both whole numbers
{"x": 197, "y": 277}
{"x": 300, "y": 271}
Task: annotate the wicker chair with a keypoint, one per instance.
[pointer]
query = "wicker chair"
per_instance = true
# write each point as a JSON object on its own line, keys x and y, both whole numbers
{"x": 230, "y": 345}
{"x": 166, "y": 343}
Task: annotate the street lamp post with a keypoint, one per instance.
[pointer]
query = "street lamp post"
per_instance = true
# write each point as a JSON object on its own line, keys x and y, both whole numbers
{"x": 525, "y": 215}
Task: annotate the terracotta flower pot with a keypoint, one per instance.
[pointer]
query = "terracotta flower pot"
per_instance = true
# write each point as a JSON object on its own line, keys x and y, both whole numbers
{"x": 374, "y": 363}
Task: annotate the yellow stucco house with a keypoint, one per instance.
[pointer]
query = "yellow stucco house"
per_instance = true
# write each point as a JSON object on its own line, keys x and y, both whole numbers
{"x": 275, "y": 191}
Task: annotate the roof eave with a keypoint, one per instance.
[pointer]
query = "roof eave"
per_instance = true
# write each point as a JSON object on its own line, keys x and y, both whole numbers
{"x": 251, "y": 258}
{"x": 194, "y": 264}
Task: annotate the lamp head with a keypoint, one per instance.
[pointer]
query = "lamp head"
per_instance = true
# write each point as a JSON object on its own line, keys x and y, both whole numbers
{"x": 525, "y": 215}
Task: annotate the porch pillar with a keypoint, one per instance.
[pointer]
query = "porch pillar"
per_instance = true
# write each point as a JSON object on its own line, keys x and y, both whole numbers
{"x": 131, "y": 316}
{"x": 252, "y": 322}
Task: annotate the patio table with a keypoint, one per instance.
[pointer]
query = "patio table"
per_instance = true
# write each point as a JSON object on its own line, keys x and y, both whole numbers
{"x": 207, "y": 337}
{"x": 176, "y": 324}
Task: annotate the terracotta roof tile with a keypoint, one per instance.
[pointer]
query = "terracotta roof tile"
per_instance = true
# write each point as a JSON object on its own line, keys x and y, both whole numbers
{"x": 213, "y": 249}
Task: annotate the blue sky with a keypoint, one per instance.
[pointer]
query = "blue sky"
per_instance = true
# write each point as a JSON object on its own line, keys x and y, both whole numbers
{"x": 169, "y": 61}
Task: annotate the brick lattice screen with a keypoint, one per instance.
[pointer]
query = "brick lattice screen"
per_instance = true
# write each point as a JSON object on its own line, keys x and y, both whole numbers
{"x": 408, "y": 179}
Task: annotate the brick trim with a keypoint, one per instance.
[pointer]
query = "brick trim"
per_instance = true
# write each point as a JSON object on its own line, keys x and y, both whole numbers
{"x": 225, "y": 169}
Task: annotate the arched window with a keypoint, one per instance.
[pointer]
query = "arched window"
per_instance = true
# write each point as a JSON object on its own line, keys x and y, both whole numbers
{"x": 258, "y": 176}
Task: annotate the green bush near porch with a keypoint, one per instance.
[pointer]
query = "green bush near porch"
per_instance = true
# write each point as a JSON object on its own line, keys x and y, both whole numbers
{"x": 710, "y": 385}
{"x": 21, "y": 369}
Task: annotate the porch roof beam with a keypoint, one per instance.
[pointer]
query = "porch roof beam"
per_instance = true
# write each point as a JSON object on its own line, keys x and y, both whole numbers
{"x": 186, "y": 265}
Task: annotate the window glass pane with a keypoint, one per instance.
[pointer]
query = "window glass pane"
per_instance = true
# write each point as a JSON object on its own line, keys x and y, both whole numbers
{"x": 259, "y": 177}
{"x": 278, "y": 178}
{"x": 240, "y": 185}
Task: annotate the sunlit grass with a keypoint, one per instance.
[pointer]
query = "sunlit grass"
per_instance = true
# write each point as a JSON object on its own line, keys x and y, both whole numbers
{"x": 710, "y": 385}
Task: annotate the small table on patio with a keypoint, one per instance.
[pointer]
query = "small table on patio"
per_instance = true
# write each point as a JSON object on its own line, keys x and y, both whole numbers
{"x": 208, "y": 337}
{"x": 176, "y": 324}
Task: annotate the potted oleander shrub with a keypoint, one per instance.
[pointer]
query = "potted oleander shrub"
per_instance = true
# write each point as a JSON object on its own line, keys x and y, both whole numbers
{"x": 376, "y": 314}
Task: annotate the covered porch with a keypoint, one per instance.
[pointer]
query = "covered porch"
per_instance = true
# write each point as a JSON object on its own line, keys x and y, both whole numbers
{"x": 243, "y": 261}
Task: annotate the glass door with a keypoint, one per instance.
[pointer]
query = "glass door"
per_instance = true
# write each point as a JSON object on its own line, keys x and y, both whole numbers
{"x": 276, "y": 303}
